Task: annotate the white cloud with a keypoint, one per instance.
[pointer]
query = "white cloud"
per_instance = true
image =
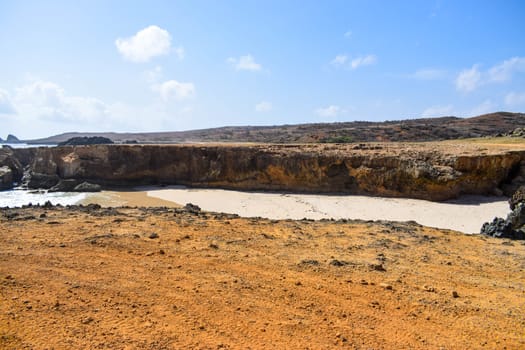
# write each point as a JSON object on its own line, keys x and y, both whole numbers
{"x": 263, "y": 106}
{"x": 348, "y": 34}
{"x": 437, "y": 111}
{"x": 173, "y": 89}
{"x": 429, "y": 74}
{"x": 246, "y": 62}
{"x": 503, "y": 71}
{"x": 329, "y": 112}
{"x": 145, "y": 44}
{"x": 363, "y": 61}
{"x": 343, "y": 61}
{"x": 469, "y": 79}
{"x": 6, "y": 107}
{"x": 339, "y": 60}
{"x": 514, "y": 99}
{"x": 49, "y": 101}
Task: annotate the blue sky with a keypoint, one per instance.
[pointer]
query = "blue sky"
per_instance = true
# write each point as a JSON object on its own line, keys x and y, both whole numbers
{"x": 178, "y": 65}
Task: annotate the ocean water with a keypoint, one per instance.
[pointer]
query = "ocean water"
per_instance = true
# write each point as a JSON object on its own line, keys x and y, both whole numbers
{"x": 23, "y": 145}
{"x": 19, "y": 197}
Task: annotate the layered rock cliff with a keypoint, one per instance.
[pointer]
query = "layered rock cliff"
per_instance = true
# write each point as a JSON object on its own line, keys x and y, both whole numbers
{"x": 429, "y": 171}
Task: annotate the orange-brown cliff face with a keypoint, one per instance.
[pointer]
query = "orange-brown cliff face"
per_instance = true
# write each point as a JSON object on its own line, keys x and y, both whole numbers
{"x": 435, "y": 171}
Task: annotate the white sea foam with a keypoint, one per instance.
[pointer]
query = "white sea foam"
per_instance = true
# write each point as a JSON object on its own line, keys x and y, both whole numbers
{"x": 18, "y": 197}
{"x": 23, "y": 145}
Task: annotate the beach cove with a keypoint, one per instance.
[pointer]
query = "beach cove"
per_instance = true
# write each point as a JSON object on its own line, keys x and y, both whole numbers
{"x": 465, "y": 214}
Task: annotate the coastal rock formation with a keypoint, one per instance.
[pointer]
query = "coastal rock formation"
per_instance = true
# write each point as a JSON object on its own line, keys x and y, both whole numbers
{"x": 433, "y": 171}
{"x": 6, "y": 178}
{"x": 12, "y": 139}
{"x": 11, "y": 168}
{"x": 513, "y": 226}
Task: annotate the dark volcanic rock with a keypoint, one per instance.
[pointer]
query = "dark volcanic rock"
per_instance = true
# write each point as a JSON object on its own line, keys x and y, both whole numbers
{"x": 67, "y": 185}
{"x": 192, "y": 208}
{"x": 38, "y": 180}
{"x": 498, "y": 228}
{"x": 512, "y": 227}
{"x": 87, "y": 187}
{"x": 94, "y": 140}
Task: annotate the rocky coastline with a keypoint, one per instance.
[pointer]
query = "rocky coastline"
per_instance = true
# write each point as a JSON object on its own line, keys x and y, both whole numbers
{"x": 431, "y": 171}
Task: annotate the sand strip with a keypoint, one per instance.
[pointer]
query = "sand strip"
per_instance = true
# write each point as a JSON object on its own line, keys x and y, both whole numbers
{"x": 466, "y": 214}
{"x": 133, "y": 198}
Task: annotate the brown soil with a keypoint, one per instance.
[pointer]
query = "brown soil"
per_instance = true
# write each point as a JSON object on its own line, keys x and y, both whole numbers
{"x": 98, "y": 279}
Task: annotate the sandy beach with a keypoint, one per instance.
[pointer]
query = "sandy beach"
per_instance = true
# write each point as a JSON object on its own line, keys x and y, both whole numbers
{"x": 466, "y": 214}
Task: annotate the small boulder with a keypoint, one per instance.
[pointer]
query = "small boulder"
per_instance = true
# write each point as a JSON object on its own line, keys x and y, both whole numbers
{"x": 87, "y": 187}
{"x": 192, "y": 208}
{"x": 65, "y": 186}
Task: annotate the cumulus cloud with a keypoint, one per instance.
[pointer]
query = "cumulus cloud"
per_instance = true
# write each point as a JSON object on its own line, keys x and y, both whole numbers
{"x": 146, "y": 44}
{"x": 515, "y": 99}
{"x": 469, "y": 79}
{"x": 263, "y": 106}
{"x": 437, "y": 111}
{"x": 246, "y": 62}
{"x": 173, "y": 89}
{"x": 504, "y": 70}
{"x": 343, "y": 61}
{"x": 6, "y": 107}
{"x": 328, "y": 112}
{"x": 49, "y": 101}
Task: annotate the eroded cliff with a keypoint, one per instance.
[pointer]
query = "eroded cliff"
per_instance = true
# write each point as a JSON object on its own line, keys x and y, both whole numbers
{"x": 435, "y": 171}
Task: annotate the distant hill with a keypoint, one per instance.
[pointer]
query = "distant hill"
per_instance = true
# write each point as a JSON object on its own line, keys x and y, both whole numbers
{"x": 427, "y": 129}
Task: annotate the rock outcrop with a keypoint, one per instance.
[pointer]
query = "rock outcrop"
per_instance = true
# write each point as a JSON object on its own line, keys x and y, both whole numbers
{"x": 517, "y": 197}
{"x": 518, "y": 132}
{"x": 427, "y": 171}
{"x": 10, "y": 168}
{"x": 513, "y": 226}
{"x": 12, "y": 139}
{"x": 6, "y": 178}
{"x": 87, "y": 187}
{"x": 93, "y": 140}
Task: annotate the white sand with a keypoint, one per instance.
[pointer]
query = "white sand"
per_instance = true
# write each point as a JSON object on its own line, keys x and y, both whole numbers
{"x": 466, "y": 214}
